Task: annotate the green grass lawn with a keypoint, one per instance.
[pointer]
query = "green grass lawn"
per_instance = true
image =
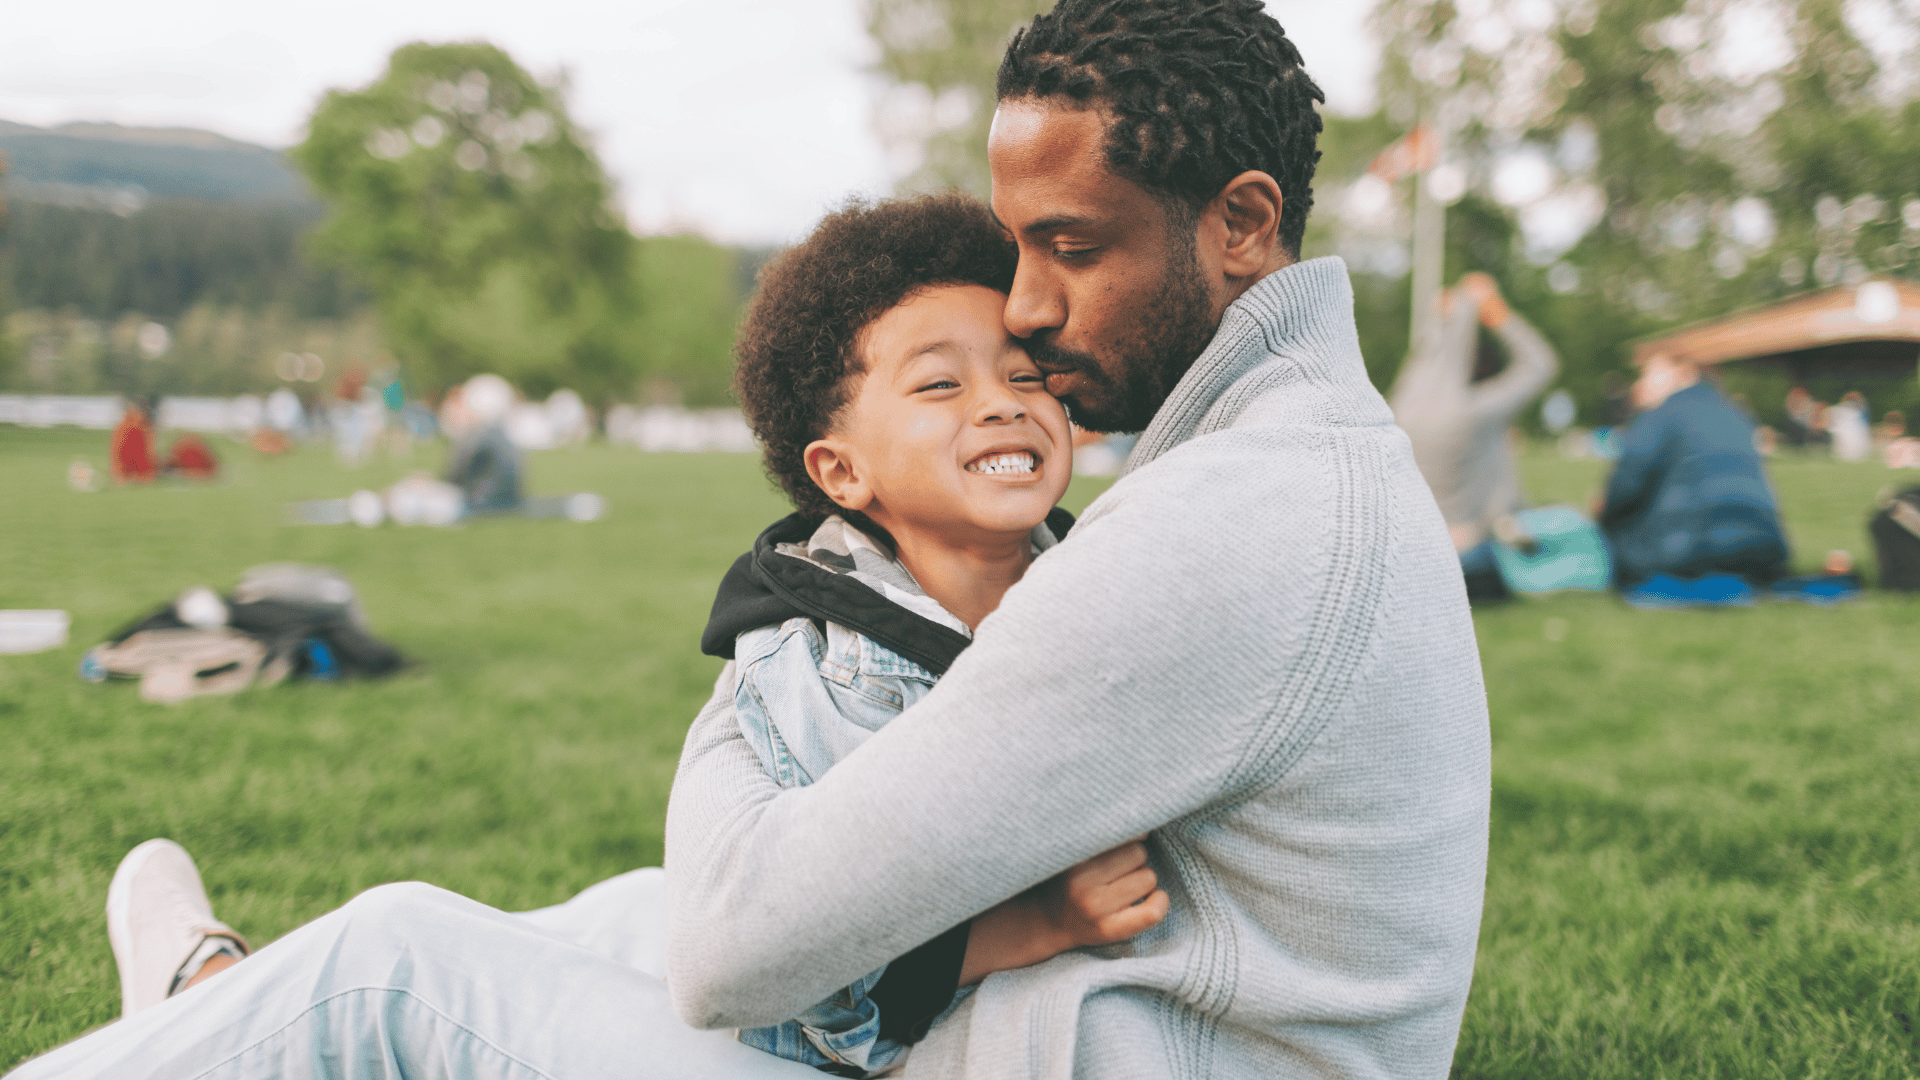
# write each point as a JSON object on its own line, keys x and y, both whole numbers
{"x": 1703, "y": 860}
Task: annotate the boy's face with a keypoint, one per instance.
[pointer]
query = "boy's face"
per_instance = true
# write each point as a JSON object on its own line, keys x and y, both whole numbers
{"x": 951, "y": 429}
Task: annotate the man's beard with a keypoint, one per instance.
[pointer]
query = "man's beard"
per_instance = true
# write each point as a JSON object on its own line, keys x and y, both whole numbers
{"x": 1145, "y": 364}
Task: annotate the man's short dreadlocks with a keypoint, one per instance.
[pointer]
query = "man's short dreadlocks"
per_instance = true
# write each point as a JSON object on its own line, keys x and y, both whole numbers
{"x": 1200, "y": 90}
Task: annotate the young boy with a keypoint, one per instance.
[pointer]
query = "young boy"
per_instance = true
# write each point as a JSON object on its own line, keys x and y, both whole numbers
{"x": 923, "y": 456}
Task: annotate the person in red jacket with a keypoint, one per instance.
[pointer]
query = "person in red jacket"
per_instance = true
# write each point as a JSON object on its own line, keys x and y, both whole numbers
{"x": 130, "y": 452}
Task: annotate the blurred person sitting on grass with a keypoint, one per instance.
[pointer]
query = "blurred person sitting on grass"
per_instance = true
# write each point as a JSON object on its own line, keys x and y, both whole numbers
{"x": 191, "y": 458}
{"x": 1254, "y": 647}
{"x": 1689, "y": 495}
{"x": 1456, "y": 401}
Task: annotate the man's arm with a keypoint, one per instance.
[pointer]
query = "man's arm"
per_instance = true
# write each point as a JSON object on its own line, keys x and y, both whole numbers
{"x": 1073, "y": 723}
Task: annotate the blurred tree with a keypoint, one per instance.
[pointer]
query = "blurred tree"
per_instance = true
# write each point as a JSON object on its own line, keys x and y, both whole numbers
{"x": 167, "y": 257}
{"x": 7, "y": 361}
{"x": 694, "y": 295}
{"x": 474, "y": 210}
{"x": 941, "y": 57}
{"x": 1636, "y": 164}
{"x": 212, "y": 349}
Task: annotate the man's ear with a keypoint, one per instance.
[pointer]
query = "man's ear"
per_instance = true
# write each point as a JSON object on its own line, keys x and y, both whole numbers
{"x": 832, "y": 468}
{"x": 1249, "y": 206}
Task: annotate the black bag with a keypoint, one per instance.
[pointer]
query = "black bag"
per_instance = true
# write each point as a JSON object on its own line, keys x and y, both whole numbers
{"x": 1896, "y": 540}
{"x": 306, "y": 620}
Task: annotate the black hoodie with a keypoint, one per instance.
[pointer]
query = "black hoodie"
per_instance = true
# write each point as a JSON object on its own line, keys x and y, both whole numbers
{"x": 766, "y": 588}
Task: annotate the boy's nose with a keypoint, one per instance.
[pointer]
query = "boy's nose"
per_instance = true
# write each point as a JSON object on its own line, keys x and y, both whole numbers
{"x": 999, "y": 408}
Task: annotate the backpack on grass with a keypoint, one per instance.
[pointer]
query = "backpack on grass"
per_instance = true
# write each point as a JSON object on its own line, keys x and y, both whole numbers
{"x": 282, "y": 621}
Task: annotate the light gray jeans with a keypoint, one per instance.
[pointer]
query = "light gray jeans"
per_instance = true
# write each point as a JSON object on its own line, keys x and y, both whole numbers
{"x": 410, "y": 980}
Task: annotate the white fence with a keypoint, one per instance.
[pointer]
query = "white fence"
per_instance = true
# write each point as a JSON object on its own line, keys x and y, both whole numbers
{"x": 236, "y": 416}
{"x": 531, "y": 425}
{"x": 681, "y": 430}
{"x": 60, "y": 410}
{"x": 101, "y": 413}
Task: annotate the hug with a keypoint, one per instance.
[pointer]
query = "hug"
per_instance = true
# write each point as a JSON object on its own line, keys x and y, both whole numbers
{"x": 1194, "y": 786}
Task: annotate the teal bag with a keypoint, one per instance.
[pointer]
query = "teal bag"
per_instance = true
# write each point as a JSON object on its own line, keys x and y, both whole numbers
{"x": 1572, "y": 553}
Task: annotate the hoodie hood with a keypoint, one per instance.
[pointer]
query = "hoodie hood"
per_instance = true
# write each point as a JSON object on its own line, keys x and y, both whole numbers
{"x": 826, "y": 569}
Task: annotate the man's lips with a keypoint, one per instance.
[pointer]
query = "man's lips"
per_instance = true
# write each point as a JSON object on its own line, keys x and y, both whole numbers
{"x": 1057, "y": 381}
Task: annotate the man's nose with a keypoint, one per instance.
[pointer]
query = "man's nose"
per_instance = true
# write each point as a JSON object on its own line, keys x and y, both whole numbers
{"x": 1034, "y": 304}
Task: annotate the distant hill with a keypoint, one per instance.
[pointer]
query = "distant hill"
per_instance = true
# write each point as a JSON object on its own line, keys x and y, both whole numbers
{"x": 120, "y": 168}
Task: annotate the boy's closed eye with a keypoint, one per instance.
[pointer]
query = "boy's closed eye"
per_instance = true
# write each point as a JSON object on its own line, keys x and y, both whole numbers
{"x": 949, "y": 384}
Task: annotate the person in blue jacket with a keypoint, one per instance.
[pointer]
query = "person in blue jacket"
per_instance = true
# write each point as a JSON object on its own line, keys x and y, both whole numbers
{"x": 1689, "y": 495}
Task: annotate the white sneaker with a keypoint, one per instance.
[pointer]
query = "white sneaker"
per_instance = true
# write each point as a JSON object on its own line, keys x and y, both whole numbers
{"x": 157, "y": 918}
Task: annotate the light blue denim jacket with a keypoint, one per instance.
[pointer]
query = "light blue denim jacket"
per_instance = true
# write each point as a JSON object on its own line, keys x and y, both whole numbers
{"x": 810, "y": 691}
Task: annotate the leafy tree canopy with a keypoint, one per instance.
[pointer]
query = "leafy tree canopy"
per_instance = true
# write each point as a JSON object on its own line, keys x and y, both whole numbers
{"x": 1620, "y": 166}
{"x": 941, "y": 57}
{"x": 466, "y": 200}
{"x": 1633, "y": 165}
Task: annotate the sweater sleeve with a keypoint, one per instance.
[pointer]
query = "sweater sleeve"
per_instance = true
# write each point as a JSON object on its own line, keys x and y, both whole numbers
{"x": 1072, "y": 724}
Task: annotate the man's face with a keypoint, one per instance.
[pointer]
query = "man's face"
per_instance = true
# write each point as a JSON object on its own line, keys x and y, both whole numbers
{"x": 951, "y": 430}
{"x": 1111, "y": 294}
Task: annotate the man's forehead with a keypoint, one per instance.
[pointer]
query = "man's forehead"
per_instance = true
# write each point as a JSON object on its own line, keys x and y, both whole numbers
{"x": 1032, "y": 132}
{"x": 1049, "y": 166}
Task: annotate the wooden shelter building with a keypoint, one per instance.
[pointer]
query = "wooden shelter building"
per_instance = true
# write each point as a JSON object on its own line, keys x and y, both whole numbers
{"x": 1869, "y": 332}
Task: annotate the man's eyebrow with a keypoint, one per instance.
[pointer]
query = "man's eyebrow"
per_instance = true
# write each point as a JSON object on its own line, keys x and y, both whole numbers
{"x": 1044, "y": 225}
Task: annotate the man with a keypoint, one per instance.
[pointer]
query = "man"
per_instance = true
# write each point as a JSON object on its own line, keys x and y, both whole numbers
{"x": 1457, "y": 403}
{"x": 1255, "y": 648}
{"x": 1689, "y": 495}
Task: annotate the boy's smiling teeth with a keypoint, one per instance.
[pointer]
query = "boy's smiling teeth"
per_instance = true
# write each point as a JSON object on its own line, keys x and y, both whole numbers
{"x": 1020, "y": 461}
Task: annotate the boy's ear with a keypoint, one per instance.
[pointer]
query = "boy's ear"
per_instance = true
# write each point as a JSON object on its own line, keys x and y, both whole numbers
{"x": 832, "y": 468}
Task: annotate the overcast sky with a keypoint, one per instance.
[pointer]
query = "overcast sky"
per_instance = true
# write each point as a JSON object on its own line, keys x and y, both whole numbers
{"x": 741, "y": 118}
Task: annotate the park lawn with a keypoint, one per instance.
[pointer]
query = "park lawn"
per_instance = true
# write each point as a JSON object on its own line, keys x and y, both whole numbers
{"x": 1701, "y": 856}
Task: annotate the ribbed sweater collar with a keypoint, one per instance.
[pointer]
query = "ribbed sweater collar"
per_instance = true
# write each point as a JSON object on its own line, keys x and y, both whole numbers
{"x": 1303, "y": 311}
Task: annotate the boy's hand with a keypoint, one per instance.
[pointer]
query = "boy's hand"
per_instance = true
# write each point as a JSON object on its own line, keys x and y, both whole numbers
{"x": 1110, "y": 897}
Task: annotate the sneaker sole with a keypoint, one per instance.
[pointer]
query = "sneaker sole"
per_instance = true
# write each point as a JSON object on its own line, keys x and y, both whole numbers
{"x": 119, "y": 928}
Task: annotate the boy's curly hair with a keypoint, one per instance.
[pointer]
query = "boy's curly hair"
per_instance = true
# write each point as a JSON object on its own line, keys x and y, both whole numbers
{"x": 797, "y": 356}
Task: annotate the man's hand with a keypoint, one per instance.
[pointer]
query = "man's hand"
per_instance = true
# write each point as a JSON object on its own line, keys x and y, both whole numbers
{"x": 1110, "y": 897}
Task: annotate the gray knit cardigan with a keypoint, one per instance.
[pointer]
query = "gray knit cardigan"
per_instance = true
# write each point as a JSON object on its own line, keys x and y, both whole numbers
{"x": 1255, "y": 645}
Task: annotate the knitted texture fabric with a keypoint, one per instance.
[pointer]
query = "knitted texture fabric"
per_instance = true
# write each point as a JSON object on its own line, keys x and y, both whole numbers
{"x": 1255, "y": 646}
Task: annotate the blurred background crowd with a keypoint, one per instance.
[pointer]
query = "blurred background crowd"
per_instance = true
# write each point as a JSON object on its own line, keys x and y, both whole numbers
{"x": 1722, "y": 188}
{"x": 1622, "y": 170}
